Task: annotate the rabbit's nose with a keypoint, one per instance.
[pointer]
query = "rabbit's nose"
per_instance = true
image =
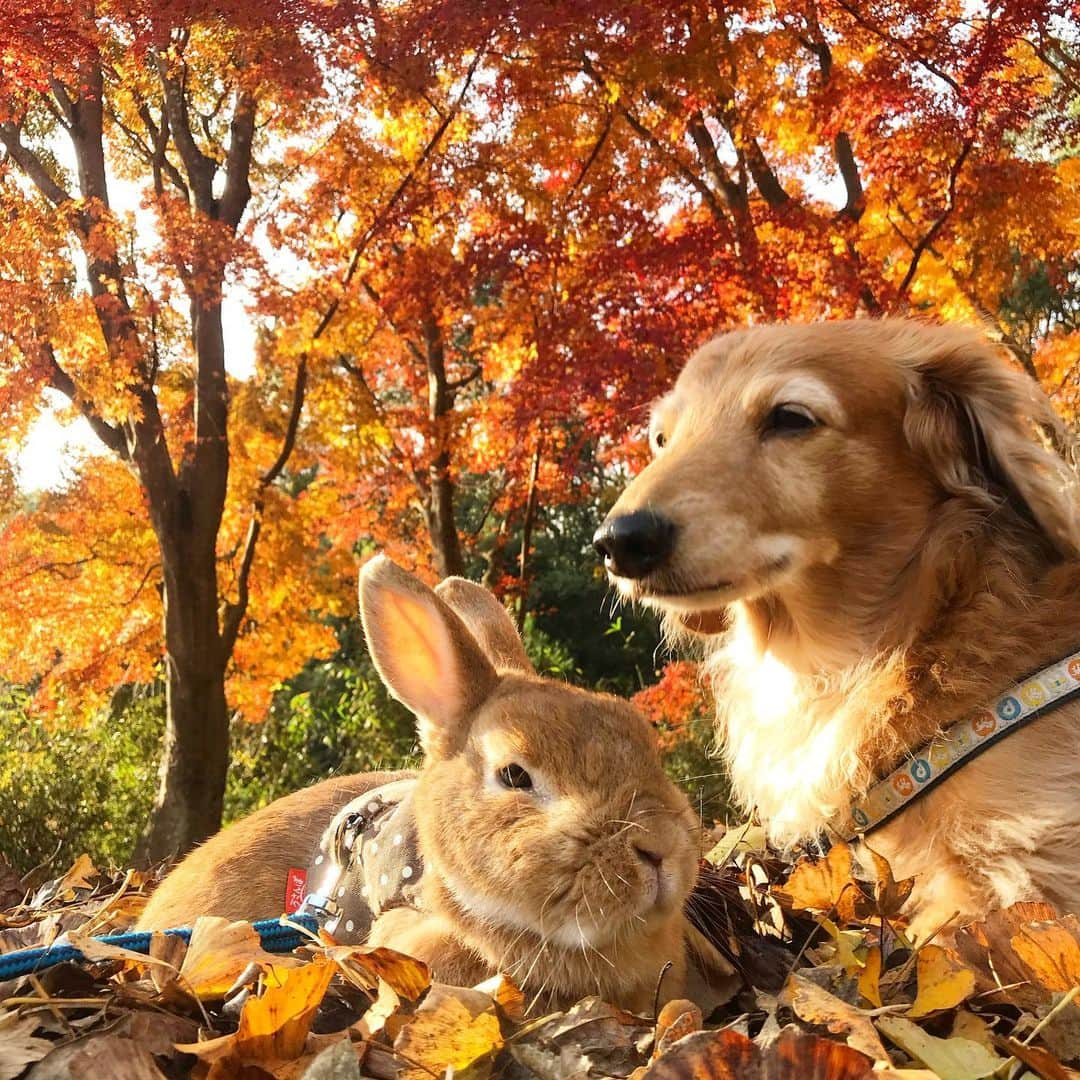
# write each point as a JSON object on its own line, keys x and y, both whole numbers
{"x": 632, "y": 545}
{"x": 649, "y": 857}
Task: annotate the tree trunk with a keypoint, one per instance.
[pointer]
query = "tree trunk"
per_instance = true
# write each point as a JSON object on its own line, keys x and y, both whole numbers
{"x": 195, "y": 756}
{"x": 445, "y": 542}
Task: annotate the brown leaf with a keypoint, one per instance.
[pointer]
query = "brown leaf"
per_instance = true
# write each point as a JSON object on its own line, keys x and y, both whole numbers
{"x": 405, "y": 975}
{"x": 729, "y": 1055}
{"x": 817, "y": 1006}
{"x": 890, "y": 895}
{"x": 1042, "y": 1061}
{"x": 103, "y": 1057}
{"x": 78, "y": 877}
{"x": 452, "y": 1029}
{"x": 97, "y": 951}
{"x": 677, "y": 1019}
{"x": 826, "y": 885}
{"x": 944, "y": 981}
{"x": 18, "y": 1047}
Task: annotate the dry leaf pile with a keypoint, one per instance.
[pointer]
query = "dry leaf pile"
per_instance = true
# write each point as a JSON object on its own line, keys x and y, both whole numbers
{"x": 832, "y": 990}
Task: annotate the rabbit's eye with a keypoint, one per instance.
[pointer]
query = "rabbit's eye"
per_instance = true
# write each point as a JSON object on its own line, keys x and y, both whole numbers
{"x": 514, "y": 776}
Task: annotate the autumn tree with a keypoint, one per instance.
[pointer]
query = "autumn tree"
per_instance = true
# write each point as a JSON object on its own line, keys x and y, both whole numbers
{"x": 120, "y": 311}
{"x": 473, "y": 242}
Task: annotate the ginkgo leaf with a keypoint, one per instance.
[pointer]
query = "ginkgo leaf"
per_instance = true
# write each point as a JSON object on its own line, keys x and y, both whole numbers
{"x": 943, "y": 981}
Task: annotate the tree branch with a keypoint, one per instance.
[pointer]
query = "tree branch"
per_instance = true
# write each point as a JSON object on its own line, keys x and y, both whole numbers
{"x": 708, "y": 196}
{"x": 928, "y": 237}
{"x": 60, "y": 380}
{"x": 234, "y": 612}
{"x": 31, "y": 165}
{"x": 200, "y": 168}
{"x": 237, "y": 191}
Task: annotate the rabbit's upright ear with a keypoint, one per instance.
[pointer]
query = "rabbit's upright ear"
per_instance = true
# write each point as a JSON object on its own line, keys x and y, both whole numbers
{"x": 425, "y": 655}
{"x": 489, "y": 622}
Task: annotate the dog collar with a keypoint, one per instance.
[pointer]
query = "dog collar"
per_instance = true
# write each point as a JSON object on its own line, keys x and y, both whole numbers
{"x": 1035, "y": 696}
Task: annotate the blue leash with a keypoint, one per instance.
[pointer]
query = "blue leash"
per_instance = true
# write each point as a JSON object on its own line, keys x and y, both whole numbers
{"x": 273, "y": 936}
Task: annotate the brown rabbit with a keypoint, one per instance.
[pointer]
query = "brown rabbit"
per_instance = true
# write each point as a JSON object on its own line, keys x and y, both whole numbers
{"x": 554, "y": 847}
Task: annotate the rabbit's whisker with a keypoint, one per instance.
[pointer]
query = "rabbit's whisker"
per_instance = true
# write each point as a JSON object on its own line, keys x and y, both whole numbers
{"x": 607, "y": 883}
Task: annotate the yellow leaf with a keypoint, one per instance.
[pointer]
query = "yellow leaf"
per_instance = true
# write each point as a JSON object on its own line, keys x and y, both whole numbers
{"x": 850, "y": 947}
{"x": 869, "y": 976}
{"x": 275, "y": 1025}
{"x": 218, "y": 953}
{"x": 944, "y": 982}
{"x": 453, "y": 1029}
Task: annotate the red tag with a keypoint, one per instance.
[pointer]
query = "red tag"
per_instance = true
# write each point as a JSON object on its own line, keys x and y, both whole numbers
{"x": 295, "y": 890}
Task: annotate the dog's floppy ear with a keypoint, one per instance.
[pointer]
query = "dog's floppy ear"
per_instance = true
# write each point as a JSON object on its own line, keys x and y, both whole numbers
{"x": 990, "y": 433}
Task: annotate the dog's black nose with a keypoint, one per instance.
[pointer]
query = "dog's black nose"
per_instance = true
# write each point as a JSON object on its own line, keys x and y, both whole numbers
{"x": 633, "y": 545}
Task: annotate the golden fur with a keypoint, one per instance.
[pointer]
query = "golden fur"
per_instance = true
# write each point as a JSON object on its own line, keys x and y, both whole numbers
{"x": 861, "y": 584}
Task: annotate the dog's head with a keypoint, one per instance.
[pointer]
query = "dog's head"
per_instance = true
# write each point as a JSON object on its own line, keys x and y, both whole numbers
{"x": 786, "y": 449}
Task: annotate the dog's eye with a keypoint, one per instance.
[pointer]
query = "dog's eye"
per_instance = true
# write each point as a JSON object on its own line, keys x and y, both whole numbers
{"x": 659, "y": 439}
{"x": 788, "y": 419}
{"x": 514, "y": 776}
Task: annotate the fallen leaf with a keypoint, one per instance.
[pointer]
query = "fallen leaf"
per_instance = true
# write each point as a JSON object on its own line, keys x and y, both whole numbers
{"x": 276, "y": 1024}
{"x": 742, "y": 838}
{"x": 817, "y": 1006}
{"x": 273, "y": 1026}
{"x": 677, "y": 1019}
{"x": 1051, "y": 952}
{"x": 18, "y": 1047}
{"x": 944, "y": 981}
{"x": 592, "y": 1038}
{"x": 730, "y": 1055}
{"x": 406, "y": 976}
{"x": 890, "y": 895}
{"x": 103, "y": 1057}
{"x": 453, "y": 1028}
{"x": 1042, "y": 1061}
{"x": 851, "y": 950}
{"x": 96, "y": 950}
{"x": 219, "y": 951}
{"x": 337, "y": 1062}
{"x": 78, "y": 877}
{"x": 825, "y": 885}
{"x": 951, "y": 1059}
{"x": 869, "y": 977}
{"x": 969, "y": 1026}
{"x": 509, "y": 1000}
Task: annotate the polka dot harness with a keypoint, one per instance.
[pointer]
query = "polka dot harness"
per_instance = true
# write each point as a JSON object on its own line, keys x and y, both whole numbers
{"x": 367, "y": 863}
